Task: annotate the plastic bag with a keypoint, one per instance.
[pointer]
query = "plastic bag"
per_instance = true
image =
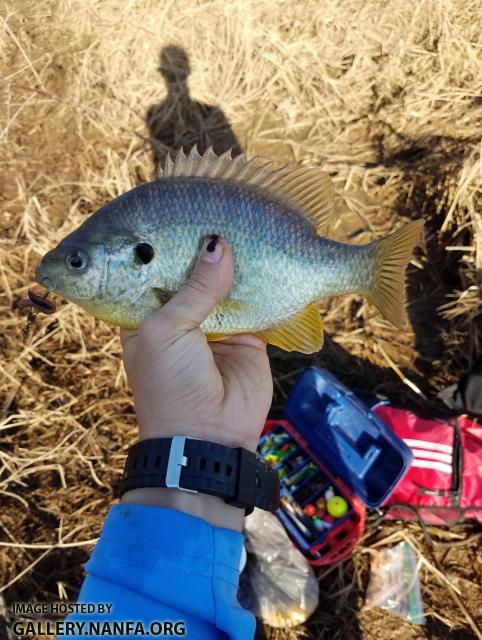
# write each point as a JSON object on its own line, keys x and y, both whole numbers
{"x": 277, "y": 585}
{"x": 395, "y": 584}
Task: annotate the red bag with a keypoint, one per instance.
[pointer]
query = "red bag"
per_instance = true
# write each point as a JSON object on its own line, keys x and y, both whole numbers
{"x": 444, "y": 483}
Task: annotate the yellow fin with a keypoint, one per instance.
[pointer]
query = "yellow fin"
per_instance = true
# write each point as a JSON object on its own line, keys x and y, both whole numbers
{"x": 303, "y": 332}
{"x": 393, "y": 254}
{"x": 308, "y": 189}
{"x": 216, "y": 337}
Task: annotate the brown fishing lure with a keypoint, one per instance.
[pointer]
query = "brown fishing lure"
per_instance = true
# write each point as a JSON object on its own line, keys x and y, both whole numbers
{"x": 32, "y": 306}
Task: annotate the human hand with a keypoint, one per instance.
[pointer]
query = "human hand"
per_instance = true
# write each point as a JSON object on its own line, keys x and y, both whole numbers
{"x": 183, "y": 385}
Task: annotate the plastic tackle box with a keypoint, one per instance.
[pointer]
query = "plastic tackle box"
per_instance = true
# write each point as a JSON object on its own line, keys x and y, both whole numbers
{"x": 334, "y": 457}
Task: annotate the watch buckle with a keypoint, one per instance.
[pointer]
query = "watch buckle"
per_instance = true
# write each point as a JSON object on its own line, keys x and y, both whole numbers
{"x": 176, "y": 461}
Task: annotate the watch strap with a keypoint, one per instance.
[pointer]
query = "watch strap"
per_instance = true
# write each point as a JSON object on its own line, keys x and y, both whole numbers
{"x": 189, "y": 464}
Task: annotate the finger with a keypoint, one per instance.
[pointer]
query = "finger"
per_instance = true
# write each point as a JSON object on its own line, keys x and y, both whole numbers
{"x": 209, "y": 283}
{"x": 126, "y": 335}
{"x": 244, "y": 363}
{"x": 246, "y": 354}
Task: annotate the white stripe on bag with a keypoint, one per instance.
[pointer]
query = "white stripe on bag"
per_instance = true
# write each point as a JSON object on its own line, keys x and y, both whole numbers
{"x": 436, "y": 466}
{"x": 432, "y": 455}
{"x": 426, "y": 444}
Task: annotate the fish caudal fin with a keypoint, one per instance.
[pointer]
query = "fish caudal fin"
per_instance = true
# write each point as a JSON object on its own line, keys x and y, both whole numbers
{"x": 393, "y": 254}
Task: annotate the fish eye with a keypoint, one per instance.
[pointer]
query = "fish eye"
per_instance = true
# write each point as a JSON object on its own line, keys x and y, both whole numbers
{"x": 145, "y": 252}
{"x": 76, "y": 261}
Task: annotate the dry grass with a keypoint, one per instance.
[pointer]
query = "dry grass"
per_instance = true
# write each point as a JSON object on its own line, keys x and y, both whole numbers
{"x": 386, "y": 96}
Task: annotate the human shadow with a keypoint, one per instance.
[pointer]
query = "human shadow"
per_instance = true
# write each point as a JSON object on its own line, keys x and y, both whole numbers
{"x": 368, "y": 380}
{"x": 180, "y": 122}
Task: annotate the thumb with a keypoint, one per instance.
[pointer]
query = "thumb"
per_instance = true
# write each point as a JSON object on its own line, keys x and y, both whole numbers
{"x": 209, "y": 282}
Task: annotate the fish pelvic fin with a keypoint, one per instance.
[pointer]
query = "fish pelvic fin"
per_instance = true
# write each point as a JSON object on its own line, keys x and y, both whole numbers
{"x": 308, "y": 189}
{"x": 216, "y": 337}
{"x": 302, "y": 332}
{"x": 392, "y": 256}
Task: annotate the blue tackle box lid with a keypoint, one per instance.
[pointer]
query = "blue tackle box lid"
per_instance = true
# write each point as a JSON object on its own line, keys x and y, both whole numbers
{"x": 350, "y": 440}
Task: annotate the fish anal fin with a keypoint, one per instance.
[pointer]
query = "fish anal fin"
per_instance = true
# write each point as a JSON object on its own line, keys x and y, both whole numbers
{"x": 302, "y": 332}
{"x": 308, "y": 189}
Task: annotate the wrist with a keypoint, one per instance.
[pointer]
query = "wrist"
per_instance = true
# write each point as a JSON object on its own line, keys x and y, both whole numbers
{"x": 210, "y": 508}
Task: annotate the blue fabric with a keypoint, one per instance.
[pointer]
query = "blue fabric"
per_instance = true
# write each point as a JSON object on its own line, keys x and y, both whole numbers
{"x": 156, "y": 564}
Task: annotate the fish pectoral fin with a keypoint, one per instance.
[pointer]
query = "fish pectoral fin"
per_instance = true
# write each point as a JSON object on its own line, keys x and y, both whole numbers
{"x": 302, "y": 332}
{"x": 163, "y": 296}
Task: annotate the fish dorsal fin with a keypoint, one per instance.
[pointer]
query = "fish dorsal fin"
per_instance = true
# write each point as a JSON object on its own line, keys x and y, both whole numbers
{"x": 302, "y": 332}
{"x": 308, "y": 189}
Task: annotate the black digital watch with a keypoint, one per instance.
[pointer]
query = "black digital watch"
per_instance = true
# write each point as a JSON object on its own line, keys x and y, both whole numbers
{"x": 199, "y": 466}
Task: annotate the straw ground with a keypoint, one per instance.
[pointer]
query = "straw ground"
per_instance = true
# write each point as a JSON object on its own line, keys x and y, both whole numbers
{"x": 385, "y": 96}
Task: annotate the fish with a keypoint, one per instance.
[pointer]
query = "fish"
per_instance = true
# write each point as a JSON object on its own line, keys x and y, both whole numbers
{"x": 132, "y": 255}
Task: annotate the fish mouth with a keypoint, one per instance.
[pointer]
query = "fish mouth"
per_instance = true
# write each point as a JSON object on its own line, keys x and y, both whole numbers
{"x": 45, "y": 281}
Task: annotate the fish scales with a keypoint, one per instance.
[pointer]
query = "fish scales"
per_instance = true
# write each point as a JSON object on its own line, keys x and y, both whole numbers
{"x": 281, "y": 264}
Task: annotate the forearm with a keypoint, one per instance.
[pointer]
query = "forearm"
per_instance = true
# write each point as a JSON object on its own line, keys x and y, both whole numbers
{"x": 158, "y": 564}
